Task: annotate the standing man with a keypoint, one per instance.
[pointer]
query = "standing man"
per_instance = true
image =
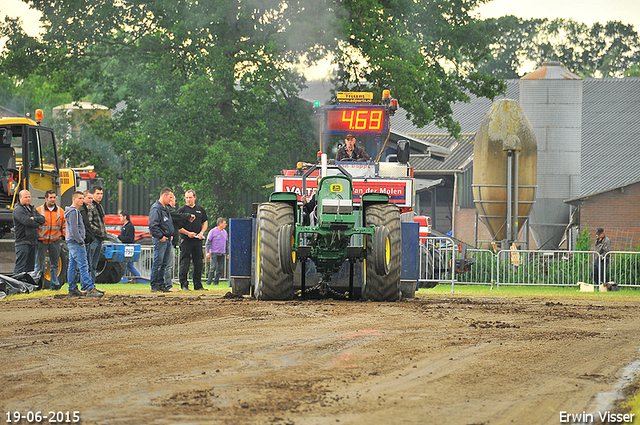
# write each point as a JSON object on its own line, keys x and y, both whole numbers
{"x": 51, "y": 236}
{"x": 98, "y": 228}
{"x": 161, "y": 229}
{"x": 84, "y": 212}
{"x": 602, "y": 245}
{"x": 26, "y": 221}
{"x": 77, "y": 252}
{"x": 178, "y": 220}
{"x": 191, "y": 242}
{"x": 217, "y": 249}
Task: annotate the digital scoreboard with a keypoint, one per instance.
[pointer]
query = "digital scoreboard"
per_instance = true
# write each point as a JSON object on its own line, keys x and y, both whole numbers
{"x": 357, "y": 119}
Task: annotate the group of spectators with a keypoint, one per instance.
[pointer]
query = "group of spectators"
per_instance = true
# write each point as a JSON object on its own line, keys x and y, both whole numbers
{"x": 188, "y": 224}
{"x": 41, "y": 231}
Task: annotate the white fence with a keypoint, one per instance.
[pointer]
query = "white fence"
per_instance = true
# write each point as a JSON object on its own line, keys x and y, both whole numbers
{"x": 524, "y": 267}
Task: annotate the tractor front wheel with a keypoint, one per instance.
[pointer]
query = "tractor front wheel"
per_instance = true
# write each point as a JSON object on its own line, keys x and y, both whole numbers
{"x": 286, "y": 238}
{"x": 381, "y": 251}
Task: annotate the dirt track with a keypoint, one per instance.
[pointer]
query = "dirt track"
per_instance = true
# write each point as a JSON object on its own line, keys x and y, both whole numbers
{"x": 205, "y": 359}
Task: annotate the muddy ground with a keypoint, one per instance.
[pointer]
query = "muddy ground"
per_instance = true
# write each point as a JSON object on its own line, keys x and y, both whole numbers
{"x": 204, "y": 359}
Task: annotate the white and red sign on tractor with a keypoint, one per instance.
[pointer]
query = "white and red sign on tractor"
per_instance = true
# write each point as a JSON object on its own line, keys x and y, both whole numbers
{"x": 400, "y": 190}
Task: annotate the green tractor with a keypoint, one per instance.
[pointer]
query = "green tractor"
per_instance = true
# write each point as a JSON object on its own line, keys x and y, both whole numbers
{"x": 370, "y": 232}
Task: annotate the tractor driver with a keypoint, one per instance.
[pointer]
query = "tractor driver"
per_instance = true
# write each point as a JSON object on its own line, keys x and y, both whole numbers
{"x": 351, "y": 152}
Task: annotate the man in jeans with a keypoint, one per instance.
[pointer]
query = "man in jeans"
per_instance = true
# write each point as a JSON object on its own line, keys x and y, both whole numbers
{"x": 51, "y": 237}
{"x": 77, "y": 252}
{"x": 217, "y": 249}
{"x": 178, "y": 220}
{"x": 161, "y": 229}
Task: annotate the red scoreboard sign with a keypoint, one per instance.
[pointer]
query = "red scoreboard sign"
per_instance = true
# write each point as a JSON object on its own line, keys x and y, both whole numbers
{"x": 356, "y": 120}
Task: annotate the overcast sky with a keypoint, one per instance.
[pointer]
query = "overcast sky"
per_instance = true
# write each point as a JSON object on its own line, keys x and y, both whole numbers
{"x": 587, "y": 11}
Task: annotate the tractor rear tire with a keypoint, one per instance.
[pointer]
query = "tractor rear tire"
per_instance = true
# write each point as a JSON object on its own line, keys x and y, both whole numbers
{"x": 272, "y": 282}
{"x": 285, "y": 248}
{"x": 63, "y": 265}
{"x": 377, "y": 287}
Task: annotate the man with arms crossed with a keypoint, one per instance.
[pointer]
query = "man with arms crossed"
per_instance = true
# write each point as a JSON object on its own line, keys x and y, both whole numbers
{"x": 26, "y": 221}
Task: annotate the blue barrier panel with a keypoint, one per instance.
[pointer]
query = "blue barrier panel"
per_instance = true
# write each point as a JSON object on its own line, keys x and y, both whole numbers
{"x": 410, "y": 256}
{"x": 121, "y": 253}
{"x": 240, "y": 235}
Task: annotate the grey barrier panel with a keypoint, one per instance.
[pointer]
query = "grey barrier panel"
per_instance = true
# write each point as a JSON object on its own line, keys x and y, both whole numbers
{"x": 532, "y": 267}
{"x": 622, "y": 268}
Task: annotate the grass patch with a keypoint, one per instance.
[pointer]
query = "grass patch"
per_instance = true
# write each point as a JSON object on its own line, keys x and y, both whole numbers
{"x": 125, "y": 289}
{"x": 531, "y": 291}
{"x": 461, "y": 290}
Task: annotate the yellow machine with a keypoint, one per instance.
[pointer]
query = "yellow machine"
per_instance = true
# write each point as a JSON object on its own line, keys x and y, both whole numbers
{"x": 28, "y": 160}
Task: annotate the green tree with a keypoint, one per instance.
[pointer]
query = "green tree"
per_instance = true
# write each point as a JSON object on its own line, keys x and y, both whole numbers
{"x": 516, "y": 40}
{"x": 206, "y": 92}
{"x": 609, "y": 50}
{"x": 598, "y": 51}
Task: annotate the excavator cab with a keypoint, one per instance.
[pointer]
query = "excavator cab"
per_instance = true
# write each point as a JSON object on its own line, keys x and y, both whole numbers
{"x": 28, "y": 160}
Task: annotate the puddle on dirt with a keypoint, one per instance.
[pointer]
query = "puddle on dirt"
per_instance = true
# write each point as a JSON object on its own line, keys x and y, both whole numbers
{"x": 605, "y": 401}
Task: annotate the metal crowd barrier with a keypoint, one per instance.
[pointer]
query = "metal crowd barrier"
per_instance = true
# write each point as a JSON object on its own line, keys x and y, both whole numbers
{"x": 437, "y": 254}
{"x": 482, "y": 270}
{"x": 525, "y": 267}
{"x": 532, "y": 267}
{"x": 506, "y": 267}
{"x": 622, "y": 267}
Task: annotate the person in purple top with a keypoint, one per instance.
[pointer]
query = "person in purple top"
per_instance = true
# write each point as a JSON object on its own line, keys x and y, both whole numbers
{"x": 217, "y": 249}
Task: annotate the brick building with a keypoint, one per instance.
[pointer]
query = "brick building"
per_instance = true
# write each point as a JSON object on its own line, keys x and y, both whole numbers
{"x": 617, "y": 211}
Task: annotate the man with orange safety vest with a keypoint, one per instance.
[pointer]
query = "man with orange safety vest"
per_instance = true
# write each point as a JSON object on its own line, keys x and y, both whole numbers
{"x": 52, "y": 233}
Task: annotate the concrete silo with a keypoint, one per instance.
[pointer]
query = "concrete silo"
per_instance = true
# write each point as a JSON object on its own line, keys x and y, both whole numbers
{"x": 551, "y": 97}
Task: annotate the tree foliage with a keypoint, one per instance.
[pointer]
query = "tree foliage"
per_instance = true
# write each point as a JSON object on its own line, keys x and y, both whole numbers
{"x": 609, "y": 50}
{"x": 206, "y": 92}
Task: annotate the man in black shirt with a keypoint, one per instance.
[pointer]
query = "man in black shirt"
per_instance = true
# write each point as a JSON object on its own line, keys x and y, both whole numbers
{"x": 192, "y": 235}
